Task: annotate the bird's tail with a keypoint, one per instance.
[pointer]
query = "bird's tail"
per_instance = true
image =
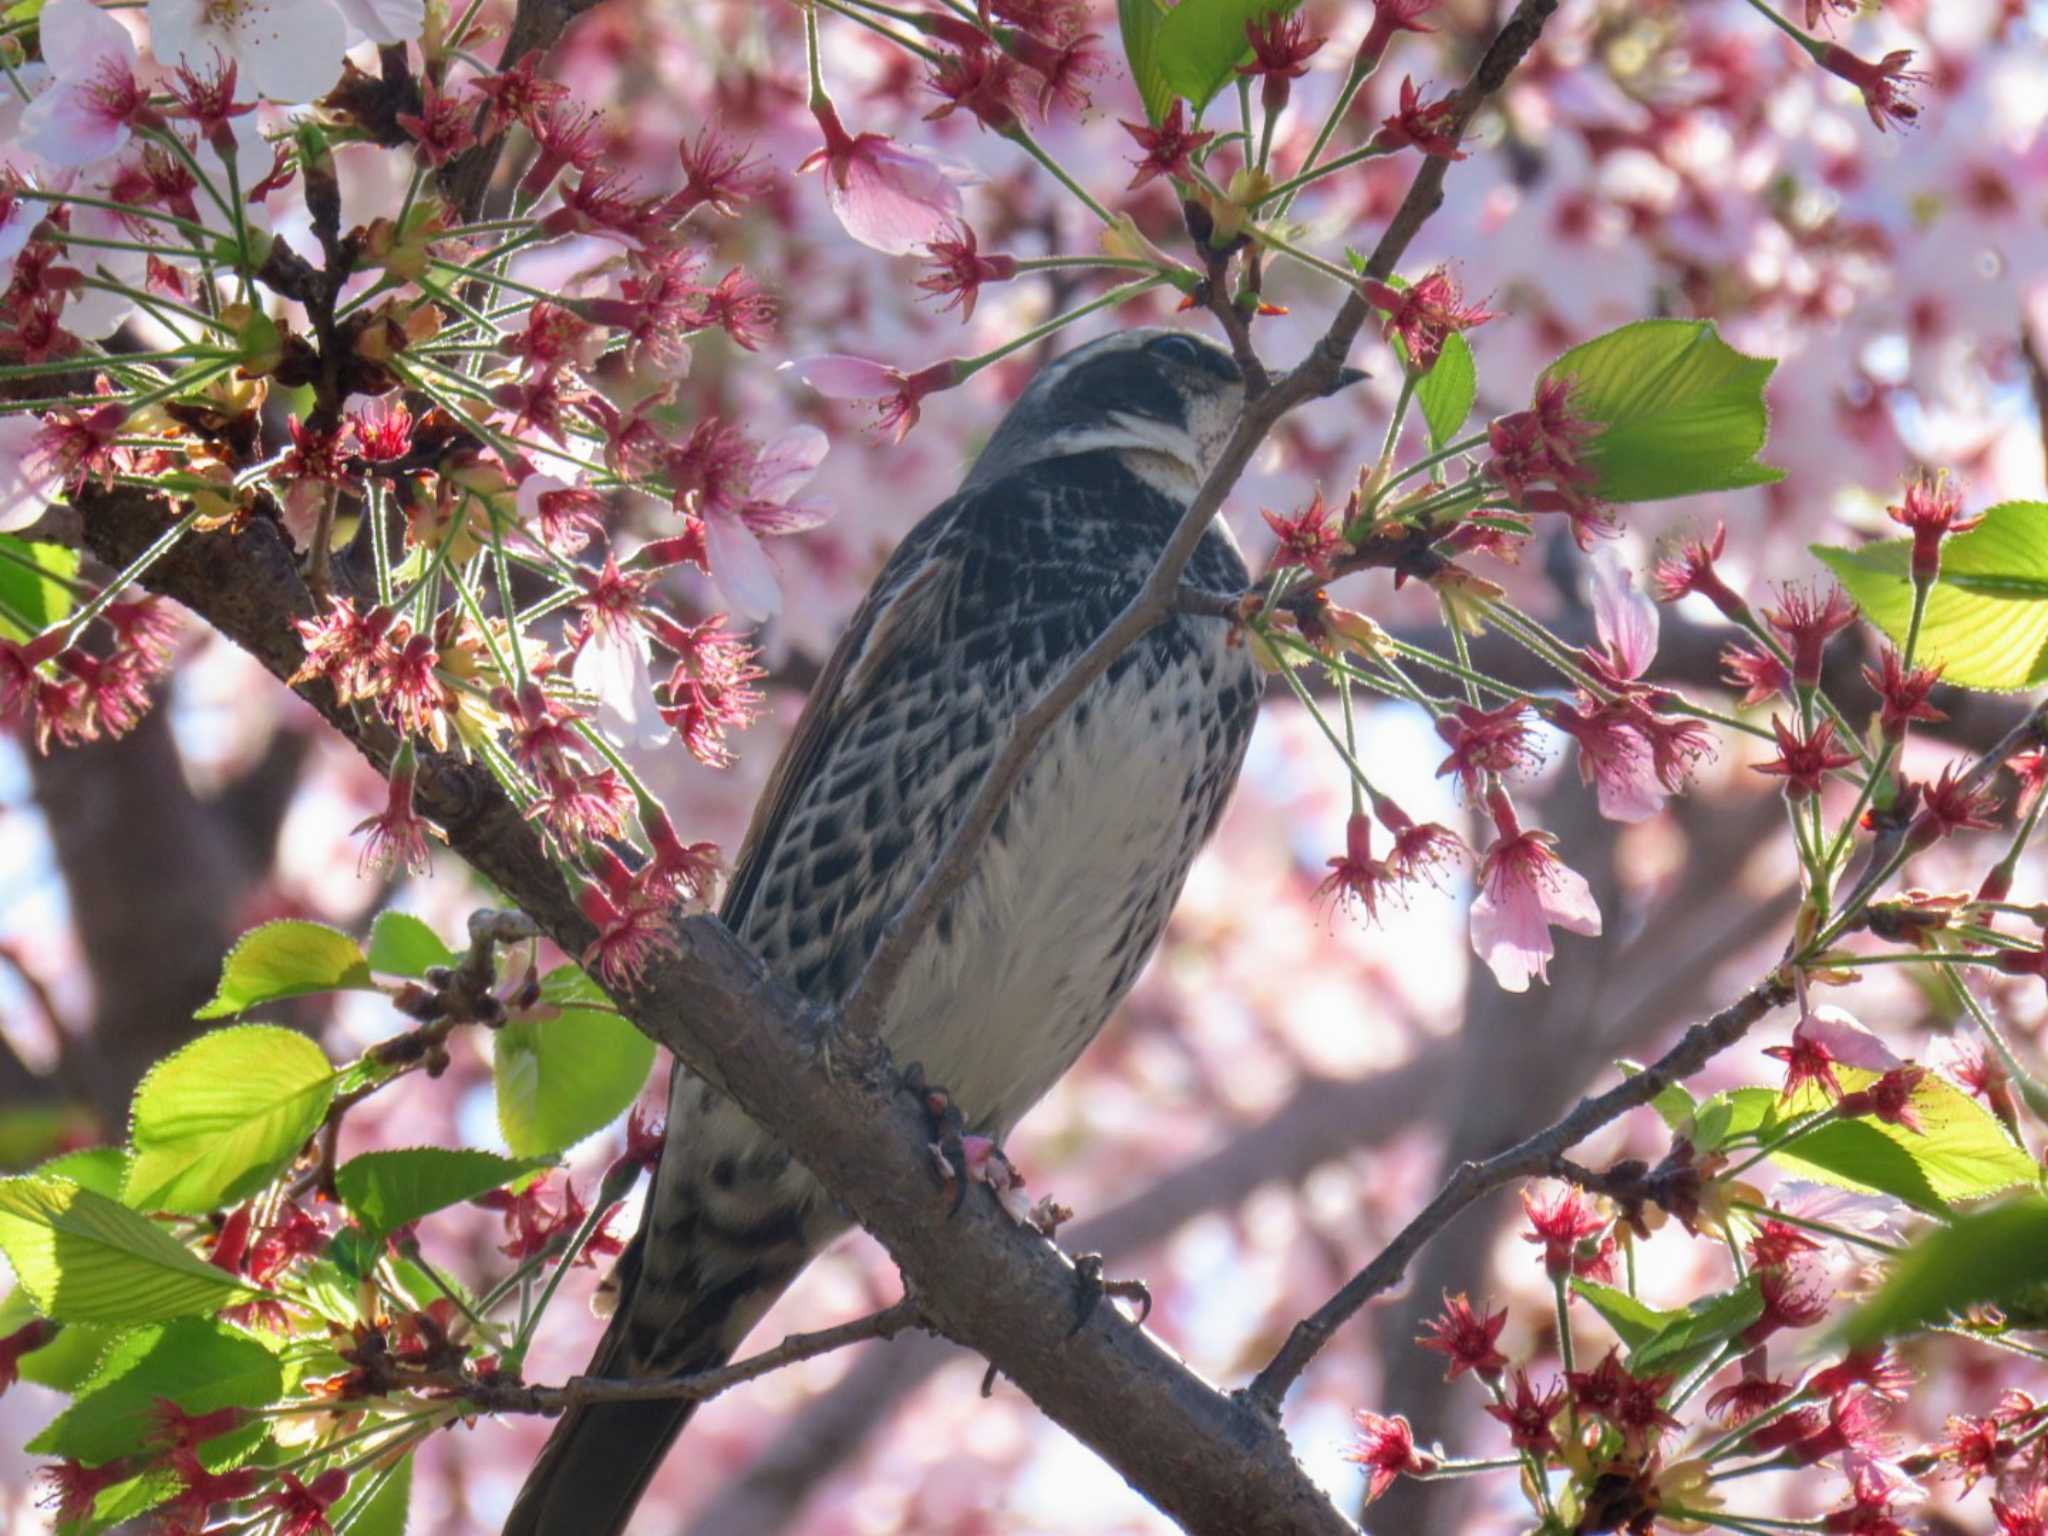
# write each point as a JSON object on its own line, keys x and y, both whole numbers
{"x": 601, "y": 1457}
{"x": 595, "y": 1466}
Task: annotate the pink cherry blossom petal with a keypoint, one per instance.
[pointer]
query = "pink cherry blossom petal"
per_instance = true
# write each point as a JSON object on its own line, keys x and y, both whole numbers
{"x": 1847, "y": 1041}
{"x": 770, "y": 519}
{"x": 841, "y": 377}
{"x": 1625, "y": 618}
{"x": 787, "y": 464}
{"x": 897, "y": 198}
{"x": 741, "y": 567}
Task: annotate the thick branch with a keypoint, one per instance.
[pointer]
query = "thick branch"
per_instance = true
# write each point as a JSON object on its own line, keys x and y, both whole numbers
{"x": 1206, "y": 1460}
{"x": 1540, "y": 1154}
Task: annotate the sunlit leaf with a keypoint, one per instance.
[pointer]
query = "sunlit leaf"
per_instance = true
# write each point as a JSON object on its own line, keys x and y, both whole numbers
{"x": 385, "y": 1190}
{"x": 402, "y": 945}
{"x": 1201, "y": 43}
{"x": 1680, "y": 410}
{"x": 567, "y": 1068}
{"x": 290, "y": 958}
{"x": 32, "y": 590}
{"x": 1447, "y": 391}
{"x": 1984, "y": 1257}
{"x": 220, "y": 1118}
{"x": 197, "y": 1363}
{"x": 87, "y": 1259}
{"x": 1986, "y": 623}
{"x": 1140, "y": 21}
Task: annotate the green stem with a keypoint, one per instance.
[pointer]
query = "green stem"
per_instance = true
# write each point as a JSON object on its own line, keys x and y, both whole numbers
{"x": 132, "y": 572}
{"x": 1361, "y": 71}
{"x": 1036, "y": 151}
{"x": 1289, "y": 188}
{"x": 1843, "y": 1234}
{"x": 969, "y": 367}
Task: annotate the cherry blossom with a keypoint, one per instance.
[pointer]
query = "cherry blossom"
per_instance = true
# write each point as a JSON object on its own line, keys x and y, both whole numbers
{"x": 894, "y": 197}
{"x": 288, "y": 50}
{"x": 1525, "y": 889}
{"x": 733, "y": 531}
{"x": 85, "y": 114}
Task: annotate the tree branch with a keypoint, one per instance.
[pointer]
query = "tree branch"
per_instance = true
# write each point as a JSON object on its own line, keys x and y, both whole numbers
{"x": 1209, "y": 1461}
{"x": 1542, "y": 1153}
{"x": 1206, "y": 1460}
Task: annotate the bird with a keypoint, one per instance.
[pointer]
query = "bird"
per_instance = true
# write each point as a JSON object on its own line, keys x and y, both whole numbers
{"x": 1056, "y": 526}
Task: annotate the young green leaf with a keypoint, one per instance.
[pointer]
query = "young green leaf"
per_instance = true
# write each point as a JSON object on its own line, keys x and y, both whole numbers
{"x": 385, "y": 1190}
{"x": 102, "y": 1170}
{"x": 1447, "y": 391}
{"x": 290, "y": 958}
{"x": 1635, "y": 1323}
{"x": 564, "y": 1070}
{"x": 36, "y": 597}
{"x": 197, "y": 1363}
{"x": 1963, "y": 1153}
{"x": 1140, "y": 21}
{"x": 83, "y": 1258}
{"x": 222, "y": 1117}
{"x": 1201, "y": 43}
{"x": 1986, "y": 623}
{"x": 402, "y": 945}
{"x": 1674, "y": 1103}
{"x": 1704, "y": 1326}
{"x": 1987, "y": 1256}
{"x": 1680, "y": 410}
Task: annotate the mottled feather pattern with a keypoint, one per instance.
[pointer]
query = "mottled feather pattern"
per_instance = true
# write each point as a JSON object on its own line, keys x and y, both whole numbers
{"x": 1073, "y": 871}
{"x": 986, "y": 602}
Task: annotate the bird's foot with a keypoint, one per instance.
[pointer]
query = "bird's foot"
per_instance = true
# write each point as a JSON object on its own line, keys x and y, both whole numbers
{"x": 1090, "y": 1287}
{"x": 948, "y": 1128}
{"x": 960, "y": 1157}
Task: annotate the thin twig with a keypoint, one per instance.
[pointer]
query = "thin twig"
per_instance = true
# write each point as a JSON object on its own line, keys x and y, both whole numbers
{"x": 697, "y": 1386}
{"x": 1542, "y": 1153}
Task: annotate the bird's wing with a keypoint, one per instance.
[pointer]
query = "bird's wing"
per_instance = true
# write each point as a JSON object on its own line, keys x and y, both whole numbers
{"x": 908, "y": 599}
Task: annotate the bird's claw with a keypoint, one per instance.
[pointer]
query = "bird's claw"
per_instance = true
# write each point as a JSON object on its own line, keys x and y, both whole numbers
{"x": 948, "y": 1132}
{"x": 1090, "y": 1287}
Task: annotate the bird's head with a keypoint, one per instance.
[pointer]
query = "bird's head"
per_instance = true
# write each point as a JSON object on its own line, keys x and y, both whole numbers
{"x": 1166, "y": 398}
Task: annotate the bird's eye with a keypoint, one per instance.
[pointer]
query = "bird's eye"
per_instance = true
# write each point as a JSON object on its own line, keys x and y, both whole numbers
{"x": 1182, "y": 349}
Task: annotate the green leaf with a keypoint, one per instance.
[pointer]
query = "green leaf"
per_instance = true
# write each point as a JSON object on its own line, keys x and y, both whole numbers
{"x": 37, "y": 599}
{"x": 1987, "y": 615}
{"x": 197, "y": 1363}
{"x": 99, "y": 1169}
{"x": 1201, "y": 43}
{"x": 1140, "y": 21}
{"x": 1447, "y": 391}
{"x": 1674, "y": 1103}
{"x": 1634, "y": 1322}
{"x": 375, "y": 1504}
{"x": 1681, "y": 411}
{"x": 402, "y": 945}
{"x": 222, "y": 1117}
{"x": 1964, "y": 1153}
{"x": 385, "y": 1190}
{"x": 1703, "y": 1327}
{"x": 83, "y": 1258}
{"x": 290, "y": 958}
{"x": 564, "y": 1071}
{"x": 1986, "y": 1256}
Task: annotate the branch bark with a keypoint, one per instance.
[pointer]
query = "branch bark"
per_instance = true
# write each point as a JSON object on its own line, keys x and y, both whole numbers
{"x": 1210, "y": 1461}
{"x": 1205, "y": 1459}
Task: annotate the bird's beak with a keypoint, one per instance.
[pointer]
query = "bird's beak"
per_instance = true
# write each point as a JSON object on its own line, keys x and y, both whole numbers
{"x": 1346, "y": 377}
